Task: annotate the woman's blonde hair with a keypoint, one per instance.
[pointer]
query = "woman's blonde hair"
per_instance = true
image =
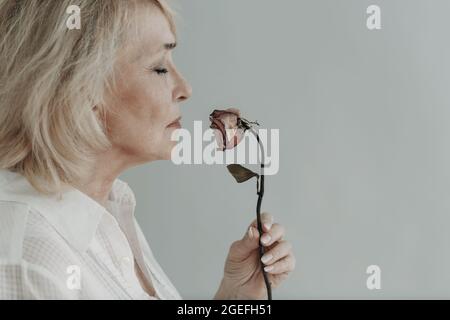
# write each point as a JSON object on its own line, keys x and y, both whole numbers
{"x": 51, "y": 78}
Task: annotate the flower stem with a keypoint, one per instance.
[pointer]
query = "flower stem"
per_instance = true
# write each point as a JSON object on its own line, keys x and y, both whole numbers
{"x": 260, "y": 192}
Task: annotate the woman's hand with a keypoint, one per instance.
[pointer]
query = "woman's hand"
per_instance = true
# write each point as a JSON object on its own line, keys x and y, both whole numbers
{"x": 243, "y": 278}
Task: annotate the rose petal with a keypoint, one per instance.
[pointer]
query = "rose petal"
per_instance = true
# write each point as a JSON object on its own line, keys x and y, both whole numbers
{"x": 227, "y": 123}
{"x": 219, "y": 140}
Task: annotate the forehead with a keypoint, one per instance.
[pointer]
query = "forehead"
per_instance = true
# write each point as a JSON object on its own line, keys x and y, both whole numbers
{"x": 150, "y": 30}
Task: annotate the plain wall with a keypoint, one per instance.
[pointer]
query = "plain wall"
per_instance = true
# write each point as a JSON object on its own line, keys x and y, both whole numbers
{"x": 364, "y": 123}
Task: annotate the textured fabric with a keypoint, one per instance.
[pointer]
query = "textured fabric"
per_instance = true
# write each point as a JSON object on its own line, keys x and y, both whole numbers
{"x": 72, "y": 247}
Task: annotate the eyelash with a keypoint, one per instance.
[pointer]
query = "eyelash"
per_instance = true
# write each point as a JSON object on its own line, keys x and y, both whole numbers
{"x": 161, "y": 71}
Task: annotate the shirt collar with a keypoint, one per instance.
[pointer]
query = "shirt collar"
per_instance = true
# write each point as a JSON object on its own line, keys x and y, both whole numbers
{"x": 74, "y": 215}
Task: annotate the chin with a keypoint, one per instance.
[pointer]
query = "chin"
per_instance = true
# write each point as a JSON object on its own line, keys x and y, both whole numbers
{"x": 158, "y": 150}
{"x": 168, "y": 153}
{"x": 165, "y": 154}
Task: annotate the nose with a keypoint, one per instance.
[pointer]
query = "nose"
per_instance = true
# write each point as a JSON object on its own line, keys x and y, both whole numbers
{"x": 183, "y": 90}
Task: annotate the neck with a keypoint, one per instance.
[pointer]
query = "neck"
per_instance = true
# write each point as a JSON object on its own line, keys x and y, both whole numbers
{"x": 108, "y": 166}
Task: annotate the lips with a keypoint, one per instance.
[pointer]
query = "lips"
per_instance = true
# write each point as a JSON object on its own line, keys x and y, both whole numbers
{"x": 175, "y": 123}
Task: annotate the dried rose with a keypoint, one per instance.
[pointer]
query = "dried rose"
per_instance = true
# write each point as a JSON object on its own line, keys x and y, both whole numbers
{"x": 228, "y": 126}
{"x": 229, "y": 129}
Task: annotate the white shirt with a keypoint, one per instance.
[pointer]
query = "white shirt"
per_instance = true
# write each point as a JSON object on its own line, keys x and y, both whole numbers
{"x": 73, "y": 248}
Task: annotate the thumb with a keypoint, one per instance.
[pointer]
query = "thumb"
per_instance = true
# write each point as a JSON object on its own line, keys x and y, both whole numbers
{"x": 250, "y": 241}
{"x": 241, "y": 249}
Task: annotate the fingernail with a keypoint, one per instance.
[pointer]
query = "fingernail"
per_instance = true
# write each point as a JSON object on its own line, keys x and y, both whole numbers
{"x": 268, "y": 268}
{"x": 267, "y": 226}
{"x": 250, "y": 233}
{"x": 266, "y": 258}
{"x": 266, "y": 238}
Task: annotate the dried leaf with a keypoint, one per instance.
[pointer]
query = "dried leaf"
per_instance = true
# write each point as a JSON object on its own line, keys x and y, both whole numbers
{"x": 240, "y": 173}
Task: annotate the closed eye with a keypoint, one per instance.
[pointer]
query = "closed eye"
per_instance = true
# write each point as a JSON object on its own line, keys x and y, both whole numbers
{"x": 161, "y": 71}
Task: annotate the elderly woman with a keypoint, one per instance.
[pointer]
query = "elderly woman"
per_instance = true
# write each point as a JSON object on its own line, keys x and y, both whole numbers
{"x": 77, "y": 108}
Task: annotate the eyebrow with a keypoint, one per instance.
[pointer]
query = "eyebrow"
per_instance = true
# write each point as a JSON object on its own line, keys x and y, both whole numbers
{"x": 166, "y": 46}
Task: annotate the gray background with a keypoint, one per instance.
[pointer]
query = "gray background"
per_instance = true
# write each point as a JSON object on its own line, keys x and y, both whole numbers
{"x": 364, "y": 145}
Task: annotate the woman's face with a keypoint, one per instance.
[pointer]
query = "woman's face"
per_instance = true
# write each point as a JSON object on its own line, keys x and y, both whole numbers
{"x": 148, "y": 93}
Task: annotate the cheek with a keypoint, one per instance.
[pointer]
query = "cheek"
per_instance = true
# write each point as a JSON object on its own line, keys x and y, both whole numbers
{"x": 139, "y": 125}
{"x": 152, "y": 111}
